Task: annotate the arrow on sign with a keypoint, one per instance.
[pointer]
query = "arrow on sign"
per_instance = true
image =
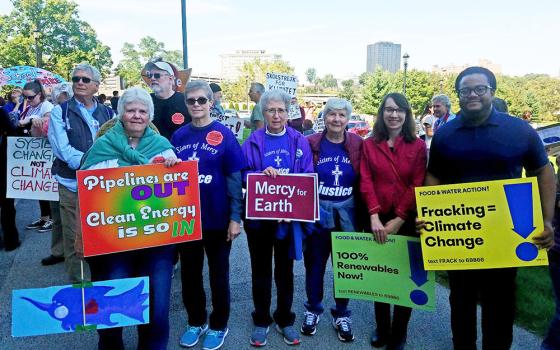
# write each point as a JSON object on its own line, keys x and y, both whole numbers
{"x": 418, "y": 275}
{"x": 520, "y": 202}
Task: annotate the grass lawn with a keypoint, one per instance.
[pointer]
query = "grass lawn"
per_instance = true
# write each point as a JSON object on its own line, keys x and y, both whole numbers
{"x": 535, "y": 303}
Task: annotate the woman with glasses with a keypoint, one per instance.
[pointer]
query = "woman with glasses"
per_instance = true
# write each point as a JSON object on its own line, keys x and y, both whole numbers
{"x": 220, "y": 161}
{"x": 393, "y": 164}
{"x": 273, "y": 150}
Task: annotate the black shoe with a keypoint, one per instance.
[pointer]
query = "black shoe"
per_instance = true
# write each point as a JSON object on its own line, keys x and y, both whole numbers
{"x": 47, "y": 227}
{"x": 395, "y": 344}
{"x": 52, "y": 260}
{"x": 377, "y": 340}
{"x": 36, "y": 224}
{"x": 9, "y": 249}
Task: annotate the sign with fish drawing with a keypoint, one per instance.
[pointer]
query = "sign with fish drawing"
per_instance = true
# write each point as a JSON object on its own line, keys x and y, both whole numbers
{"x": 137, "y": 207}
{"x": 66, "y": 309}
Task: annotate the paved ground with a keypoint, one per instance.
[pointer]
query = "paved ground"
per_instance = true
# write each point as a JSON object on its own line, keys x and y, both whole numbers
{"x": 22, "y": 269}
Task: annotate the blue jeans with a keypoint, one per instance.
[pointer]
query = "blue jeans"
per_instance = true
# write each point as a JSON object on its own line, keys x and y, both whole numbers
{"x": 316, "y": 254}
{"x": 157, "y": 264}
{"x": 552, "y": 339}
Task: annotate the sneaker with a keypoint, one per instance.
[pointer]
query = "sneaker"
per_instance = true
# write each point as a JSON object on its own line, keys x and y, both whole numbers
{"x": 291, "y": 336}
{"x": 309, "y": 326}
{"x": 214, "y": 339}
{"x": 258, "y": 337}
{"x": 47, "y": 226}
{"x": 36, "y": 224}
{"x": 192, "y": 335}
{"x": 343, "y": 328}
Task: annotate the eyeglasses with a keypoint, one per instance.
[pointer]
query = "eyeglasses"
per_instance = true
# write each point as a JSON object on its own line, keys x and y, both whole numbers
{"x": 29, "y": 98}
{"x": 201, "y": 101}
{"x": 479, "y": 90}
{"x": 273, "y": 111}
{"x": 151, "y": 75}
{"x": 85, "y": 80}
{"x": 390, "y": 110}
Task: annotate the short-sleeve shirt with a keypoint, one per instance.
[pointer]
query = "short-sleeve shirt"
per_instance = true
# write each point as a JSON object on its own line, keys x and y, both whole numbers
{"x": 256, "y": 115}
{"x": 170, "y": 114}
{"x": 495, "y": 150}
{"x": 218, "y": 154}
{"x": 277, "y": 153}
{"x": 336, "y": 175}
{"x": 40, "y": 111}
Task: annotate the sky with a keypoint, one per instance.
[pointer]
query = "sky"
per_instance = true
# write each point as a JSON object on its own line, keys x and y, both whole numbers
{"x": 332, "y": 36}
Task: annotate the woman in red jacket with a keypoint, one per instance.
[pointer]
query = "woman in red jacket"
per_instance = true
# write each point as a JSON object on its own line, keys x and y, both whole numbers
{"x": 393, "y": 164}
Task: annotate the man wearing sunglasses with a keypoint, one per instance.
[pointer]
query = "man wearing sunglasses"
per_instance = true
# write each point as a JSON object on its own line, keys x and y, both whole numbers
{"x": 72, "y": 130}
{"x": 482, "y": 144}
{"x": 170, "y": 111}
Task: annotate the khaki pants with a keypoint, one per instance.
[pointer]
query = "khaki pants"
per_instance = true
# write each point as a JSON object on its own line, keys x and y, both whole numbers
{"x": 69, "y": 215}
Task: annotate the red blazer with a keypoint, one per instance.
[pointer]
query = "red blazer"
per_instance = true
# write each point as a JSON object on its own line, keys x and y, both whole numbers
{"x": 382, "y": 189}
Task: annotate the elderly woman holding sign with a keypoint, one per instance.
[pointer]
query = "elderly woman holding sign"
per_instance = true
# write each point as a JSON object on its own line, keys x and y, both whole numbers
{"x": 220, "y": 161}
{"x": 336, "y": 157}
{"x": 131, "y": 142}
{"x": 274, "y": 150}
{"x": 393, "y": 164}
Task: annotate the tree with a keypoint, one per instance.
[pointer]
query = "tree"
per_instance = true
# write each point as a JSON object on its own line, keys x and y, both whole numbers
{"x": 64, "y": 40}
{"x": 347, "y": 91}
{"x": 134, "y": 59}
{"x": 311, "y": 75}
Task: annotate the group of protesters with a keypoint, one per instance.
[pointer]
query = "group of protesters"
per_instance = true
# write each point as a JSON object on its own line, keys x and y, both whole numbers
{"x": 364, "y": 185}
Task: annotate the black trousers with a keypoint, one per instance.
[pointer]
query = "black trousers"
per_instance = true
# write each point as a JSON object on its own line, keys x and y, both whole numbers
{"x": 8, "y": 210}
{"x": 496, "y": 290}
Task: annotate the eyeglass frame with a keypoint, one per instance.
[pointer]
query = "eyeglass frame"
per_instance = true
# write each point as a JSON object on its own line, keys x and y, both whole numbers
{"x": 274, "y": 111}
{"x": 470, "y": 90}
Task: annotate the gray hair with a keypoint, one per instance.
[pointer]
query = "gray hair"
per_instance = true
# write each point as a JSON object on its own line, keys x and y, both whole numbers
{"x": 257, "y": 87}
{"x": 62, "y": 88}
{"x": 443, "y": 99}
{"x": 135, "y": 94}
{"x": 88, "y": 68}
{"x": 275, "y": 95}
{"x": 338, "y": 103}
{"x": 199, "y": 85}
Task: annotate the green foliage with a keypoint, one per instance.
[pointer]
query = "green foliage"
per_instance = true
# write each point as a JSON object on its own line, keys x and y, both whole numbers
{"x": 134, "y": 58}
{"x": 64, "y": 39}
{"x": 311, "y": 75}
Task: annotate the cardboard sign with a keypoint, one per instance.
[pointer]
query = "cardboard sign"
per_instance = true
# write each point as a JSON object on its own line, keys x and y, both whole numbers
{"x": 66, "y": 309}
{"x": 390, "y": 273}
{"x": 319, "y": 124}
{"x": 29, "y": 169}
{"x": 234, "y": 123}
{"x": 481, "y": 225}
{"x": 279, "y": 81}
{"x": 292, "y": 196}
{"x": 550, "y": 137}
{"x": 138, "y": 207}
{"x": 294, "y": 112}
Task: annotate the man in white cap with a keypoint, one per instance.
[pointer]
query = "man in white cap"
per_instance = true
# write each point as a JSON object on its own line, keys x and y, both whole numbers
{"x": 170, "y": 111}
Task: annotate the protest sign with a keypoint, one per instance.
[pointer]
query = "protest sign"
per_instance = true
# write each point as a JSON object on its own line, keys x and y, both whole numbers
{"x": 279, "y": 81}
{"x": 390, "y": 273}
{"x": 138, "y": 207}
{"x": 294, "y": 112}
{"x": 319, "y": 124}
{"x": 550, "y": 137}
{"x": 29, "y": 169}
{"x": 481, "y": 225}
{"x": 66, "y": 309}
{"x": 292, "y": 196}
{"x": 232, "y": 121}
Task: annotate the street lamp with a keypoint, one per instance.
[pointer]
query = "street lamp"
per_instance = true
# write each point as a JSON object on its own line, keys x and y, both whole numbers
{"x": 405, "y": 61}
{"x": 184, "y": 27}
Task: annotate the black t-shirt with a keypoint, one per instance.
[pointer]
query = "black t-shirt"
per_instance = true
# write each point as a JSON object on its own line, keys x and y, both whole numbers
{"x": 170, "y": 114}
{"x": 114, "y": 102}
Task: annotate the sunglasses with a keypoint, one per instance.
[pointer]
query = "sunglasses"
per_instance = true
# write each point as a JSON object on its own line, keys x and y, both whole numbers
{"x": 86, "y": 80}
{"x": 29, "y": 98}
{"x": 201, "y": 101}
{"x": 151, "y": 75}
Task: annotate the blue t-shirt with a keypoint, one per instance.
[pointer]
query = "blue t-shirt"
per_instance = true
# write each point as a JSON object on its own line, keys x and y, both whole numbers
{"x": 277, "y": 153}
{"x": 336, "y": 175}
{"x": 495, "y": 150}
{"x": 218, "y": 154}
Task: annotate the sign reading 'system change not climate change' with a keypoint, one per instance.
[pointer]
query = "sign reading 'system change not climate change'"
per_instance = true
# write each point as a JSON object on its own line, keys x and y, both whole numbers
{"x": 138, "y": 207}
{"x": 390, "y": 273}
{"x": 481, "y": 225}
{"x": 291, "y": 197}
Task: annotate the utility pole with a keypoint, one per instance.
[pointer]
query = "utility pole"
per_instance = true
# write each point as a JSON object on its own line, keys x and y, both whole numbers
{"x": 184, "y": 21}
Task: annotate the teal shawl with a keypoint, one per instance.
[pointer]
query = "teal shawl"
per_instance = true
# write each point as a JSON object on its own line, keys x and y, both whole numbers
{"x": 114, "y": 145}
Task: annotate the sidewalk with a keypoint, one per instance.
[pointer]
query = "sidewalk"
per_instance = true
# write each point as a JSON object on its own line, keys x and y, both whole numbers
{"x": 22, "y": 269}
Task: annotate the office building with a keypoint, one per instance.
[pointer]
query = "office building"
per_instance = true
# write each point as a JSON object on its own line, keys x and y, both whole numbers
{"x": 233, "y": 62}
{"x": 385, "y": 55}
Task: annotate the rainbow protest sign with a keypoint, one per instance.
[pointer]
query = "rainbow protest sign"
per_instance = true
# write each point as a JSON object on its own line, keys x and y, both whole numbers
{"x": 138, "y": 207}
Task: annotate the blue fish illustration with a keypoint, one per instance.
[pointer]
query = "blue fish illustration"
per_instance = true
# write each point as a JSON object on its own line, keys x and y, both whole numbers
{"x": 66, "y": 305}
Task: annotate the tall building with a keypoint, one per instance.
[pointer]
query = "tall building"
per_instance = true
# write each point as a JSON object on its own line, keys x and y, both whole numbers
{"x": 233, "y": 62}
{"x": 385, "y": 55}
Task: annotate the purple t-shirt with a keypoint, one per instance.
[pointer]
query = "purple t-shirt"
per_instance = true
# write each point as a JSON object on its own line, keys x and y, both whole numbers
{"x": 336, "y": 175}
{"x": 277, "y": 153}
{"x": 218, "y": 154}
